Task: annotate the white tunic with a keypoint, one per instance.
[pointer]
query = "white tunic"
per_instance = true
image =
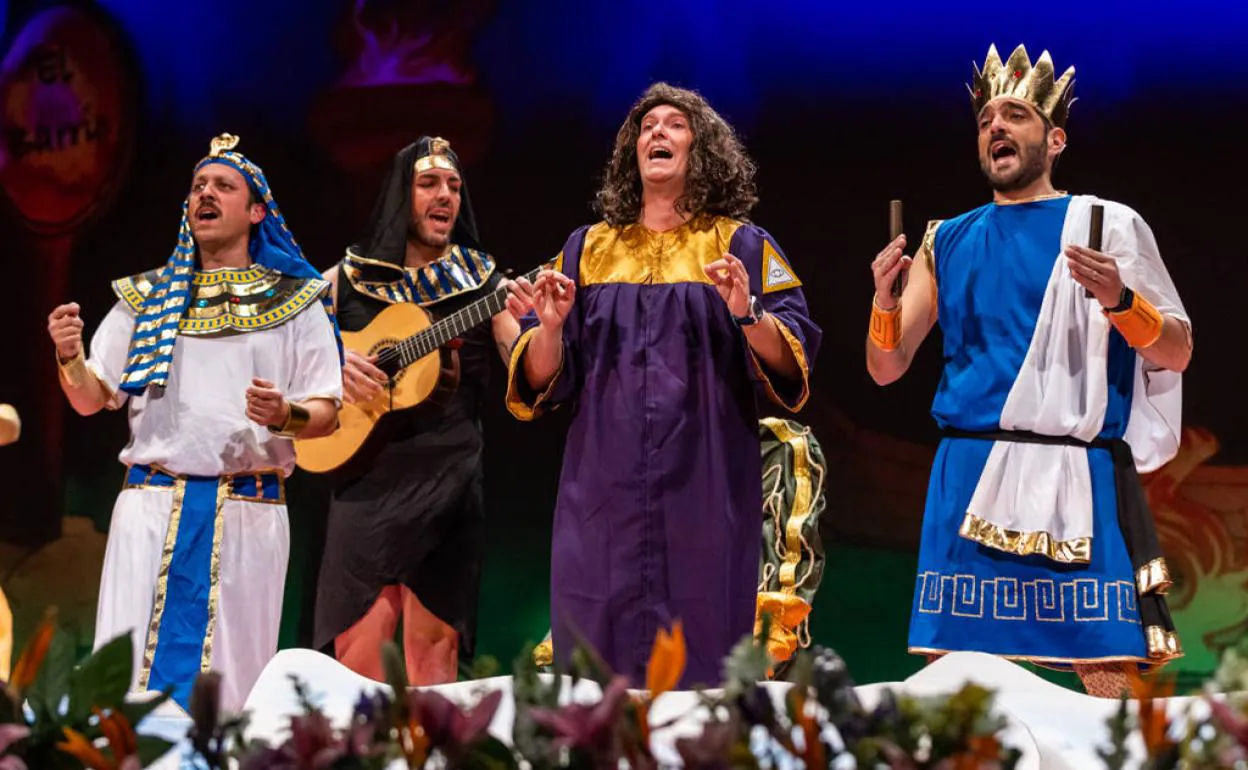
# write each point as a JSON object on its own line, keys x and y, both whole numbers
{"x": 199, "y": 426}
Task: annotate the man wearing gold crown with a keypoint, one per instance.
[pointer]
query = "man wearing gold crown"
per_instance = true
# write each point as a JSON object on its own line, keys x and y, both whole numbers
{"x": 1062, "y": 378}
{"x": 660, "y": 327}
{"x": 405, "y": 538}
{"x": 225, "y": 354}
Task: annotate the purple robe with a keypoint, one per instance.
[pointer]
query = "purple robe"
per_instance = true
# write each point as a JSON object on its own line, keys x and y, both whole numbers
{"x": 659, "y": 510}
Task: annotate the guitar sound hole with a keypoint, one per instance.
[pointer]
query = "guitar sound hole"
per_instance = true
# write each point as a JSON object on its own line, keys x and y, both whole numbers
{"x": 388, "y": 360}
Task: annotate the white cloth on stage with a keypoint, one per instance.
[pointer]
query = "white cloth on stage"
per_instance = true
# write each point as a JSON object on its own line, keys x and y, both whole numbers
{"x": 198, "y": 426}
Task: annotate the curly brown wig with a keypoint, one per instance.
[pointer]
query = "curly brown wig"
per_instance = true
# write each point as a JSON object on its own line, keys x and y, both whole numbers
{"x": 720, "y": 178}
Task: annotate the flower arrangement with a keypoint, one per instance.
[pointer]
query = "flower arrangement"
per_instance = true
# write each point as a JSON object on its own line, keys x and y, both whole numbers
{"x": 55, "y": 715}
{"x": 1215, "y": 732}
{"x": 58, "y": 715}
{"x": 821, "y": 723}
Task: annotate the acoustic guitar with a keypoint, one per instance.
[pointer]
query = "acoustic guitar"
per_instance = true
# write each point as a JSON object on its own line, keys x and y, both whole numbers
{"x": 423, "y": 373}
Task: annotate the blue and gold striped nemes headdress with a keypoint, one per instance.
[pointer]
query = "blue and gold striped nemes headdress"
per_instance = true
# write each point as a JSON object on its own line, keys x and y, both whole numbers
{"x": 271, "y": 246}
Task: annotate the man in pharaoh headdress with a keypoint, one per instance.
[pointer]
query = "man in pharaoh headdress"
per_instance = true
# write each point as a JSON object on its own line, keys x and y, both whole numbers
{"x": 225, "y": 354}
{"x": 406, "y": 536}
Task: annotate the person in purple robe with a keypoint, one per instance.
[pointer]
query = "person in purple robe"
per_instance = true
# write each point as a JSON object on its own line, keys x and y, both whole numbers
{"x": 658, "y": 327}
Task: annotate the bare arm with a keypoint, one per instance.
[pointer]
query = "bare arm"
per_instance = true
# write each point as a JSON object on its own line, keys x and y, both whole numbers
{"x": 86, "y": 394}
{"x": 322, "y": 417}
{"x": 310, "y": 418}
{"x": 769, "y": 345}
{"x": 1098, "y": 273}
{"x": 331, "y": 275}
{"x": 1173, "y": 349}
{"x": 506, "y": 325}
{"x": 506, "y": 329}
{"x": 554, "y": 294}
{"x": 917, "y": 308}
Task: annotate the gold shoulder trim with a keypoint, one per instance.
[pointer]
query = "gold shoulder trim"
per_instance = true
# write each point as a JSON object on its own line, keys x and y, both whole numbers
{"x": 262, "y": 300}
{"x": 458, "y": 271}
{"x": 927, "y": 247}
{"x": 133, "y": 289}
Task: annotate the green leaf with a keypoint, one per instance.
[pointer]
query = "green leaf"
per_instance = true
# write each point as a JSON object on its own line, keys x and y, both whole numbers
{"x": 102, "y": 679}
{"x": 396, "y": 677}
{"x": 9, "y": 711}
{"x": 745, "y": 666}
{"x": 52, "y": 682}
{"x": 137, "y": 712}
{"x": 152, "y": 748}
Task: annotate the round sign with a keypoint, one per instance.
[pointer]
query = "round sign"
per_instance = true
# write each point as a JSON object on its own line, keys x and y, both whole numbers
{"x": 66, "y": 108}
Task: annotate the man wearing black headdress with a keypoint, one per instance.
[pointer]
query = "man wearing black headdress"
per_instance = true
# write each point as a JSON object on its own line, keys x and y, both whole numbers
{"x": 405, "y": 537}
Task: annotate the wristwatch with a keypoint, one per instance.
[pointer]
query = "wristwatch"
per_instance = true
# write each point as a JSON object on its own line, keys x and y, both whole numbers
{"x": 753, "y": 313}
{"x": 1125, "y": 300}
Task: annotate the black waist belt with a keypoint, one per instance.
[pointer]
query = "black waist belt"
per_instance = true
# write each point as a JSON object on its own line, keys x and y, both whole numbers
{"x": 1135, "y": 519}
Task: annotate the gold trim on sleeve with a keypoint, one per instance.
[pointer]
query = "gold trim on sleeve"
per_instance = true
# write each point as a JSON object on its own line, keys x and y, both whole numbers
{"x": 515, "y": 402}
{"x": 799, "y": 353}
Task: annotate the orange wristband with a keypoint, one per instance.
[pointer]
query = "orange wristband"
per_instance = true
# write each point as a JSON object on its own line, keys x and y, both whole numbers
{"x": 1140, "y": 325}
{"x": 885, "y": 330}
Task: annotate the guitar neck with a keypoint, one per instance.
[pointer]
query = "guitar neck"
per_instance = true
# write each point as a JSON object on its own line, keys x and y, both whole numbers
{"x": 444, "y": 330}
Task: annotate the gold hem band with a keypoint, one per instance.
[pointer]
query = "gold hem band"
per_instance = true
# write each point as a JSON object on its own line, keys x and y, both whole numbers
{"x": 1074, "y": 551}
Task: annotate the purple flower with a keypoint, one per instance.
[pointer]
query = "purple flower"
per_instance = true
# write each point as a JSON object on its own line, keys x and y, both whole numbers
{"x": 447, "y": 727}
{"x": 1234, "y": 724}
{"x": 591, "y": 728}
{"x": 708, "y": 750}
{"x": 9, "y": 735}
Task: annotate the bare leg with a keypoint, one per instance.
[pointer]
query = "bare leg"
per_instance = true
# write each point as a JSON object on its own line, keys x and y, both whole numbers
{"x": 1106, "y": 680}
{"x": 431, "y": 646}
{"x": 359, "y": 647}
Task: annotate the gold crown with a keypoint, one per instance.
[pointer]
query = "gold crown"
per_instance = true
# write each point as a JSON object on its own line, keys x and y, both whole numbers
{"x": 437, "y": 157}
{"x": 222, "y": 143}
{"x": 1019, "y": 79}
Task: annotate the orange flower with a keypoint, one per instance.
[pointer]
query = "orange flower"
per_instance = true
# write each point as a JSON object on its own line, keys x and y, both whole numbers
{"x": 121, "y": 738}
{"x": 415, "y": 743}
{"x": 667, "y": 660}
{"x": 28, "y": 665}
{"x": 120, "y": 735}
{"x": 1154, "y": 725}
{"x": 84, "y": 751}
{"x": 982, "y": 750}
{"x": 813, "y": 752}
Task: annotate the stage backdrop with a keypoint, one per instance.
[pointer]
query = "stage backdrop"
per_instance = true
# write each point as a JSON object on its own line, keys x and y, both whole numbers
{"x": 107, "y": 105}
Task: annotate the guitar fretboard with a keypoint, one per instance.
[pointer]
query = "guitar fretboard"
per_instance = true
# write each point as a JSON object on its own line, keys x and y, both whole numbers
{"x": 444, "y": 330}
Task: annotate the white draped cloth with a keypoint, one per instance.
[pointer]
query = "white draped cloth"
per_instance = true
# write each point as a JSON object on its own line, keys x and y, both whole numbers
{"x": 1062, "y": 389}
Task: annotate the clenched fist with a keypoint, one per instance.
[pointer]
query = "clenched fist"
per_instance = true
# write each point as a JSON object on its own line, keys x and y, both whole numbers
{"x": 65, "y": 329}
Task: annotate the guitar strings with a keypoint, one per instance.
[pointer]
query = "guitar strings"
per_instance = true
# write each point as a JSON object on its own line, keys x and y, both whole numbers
{"x": 415, "y": 347}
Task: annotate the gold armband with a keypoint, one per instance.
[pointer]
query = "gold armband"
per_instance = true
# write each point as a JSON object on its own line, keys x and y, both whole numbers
{"x": 885, "y": 332}
{"x": 1140, "y": 324}
{"x": 74, "y": 372}
{"x": 296, "y": 420}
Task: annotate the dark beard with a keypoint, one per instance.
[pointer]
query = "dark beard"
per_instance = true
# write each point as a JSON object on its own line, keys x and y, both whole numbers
{"x": 417, "y": 233}
{"x": 1030, "y": 168}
